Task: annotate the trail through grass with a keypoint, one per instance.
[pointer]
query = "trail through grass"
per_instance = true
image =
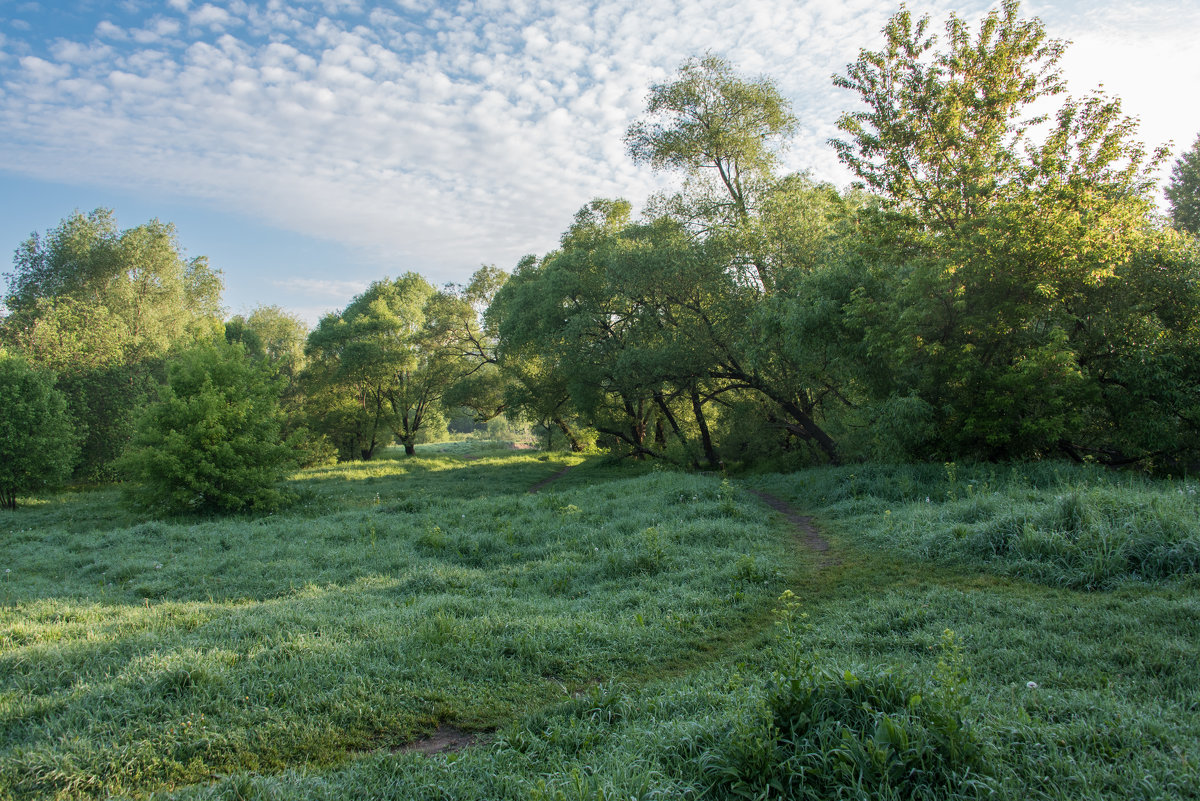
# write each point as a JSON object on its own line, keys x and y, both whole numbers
{"x": 615, "y": 631}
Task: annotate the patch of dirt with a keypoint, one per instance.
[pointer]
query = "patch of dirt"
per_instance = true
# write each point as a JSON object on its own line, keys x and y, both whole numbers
{"x": 550, "y": 480}
{"x": 803, "y": 526}
{"x": 443, "y": 740}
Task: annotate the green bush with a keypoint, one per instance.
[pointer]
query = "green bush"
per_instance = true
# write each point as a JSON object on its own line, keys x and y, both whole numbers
{"x": 212, "y": 441}
{"x": 37, "y": 443}
{"x": 821, "y": 733}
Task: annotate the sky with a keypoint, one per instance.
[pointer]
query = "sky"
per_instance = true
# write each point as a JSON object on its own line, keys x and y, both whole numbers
{"x": 310, "y": 147}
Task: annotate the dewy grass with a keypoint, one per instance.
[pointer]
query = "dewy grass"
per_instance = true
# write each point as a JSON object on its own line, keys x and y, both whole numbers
{"x": 291, "y": 661}
{"x": 165, "y": 653}
{"x": 1057, "y": 524}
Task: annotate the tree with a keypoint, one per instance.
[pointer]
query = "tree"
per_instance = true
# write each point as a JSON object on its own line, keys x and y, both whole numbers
{"x": 38, "y": 446}
{"x": 991, "y": 251}
{"x": 273, "y": 334}
{"x": 211, "y": 442}
{"x": 378, "y": 369}
{"x": 102, "y": 308}
{"x": 1183, "y": 191}
{"x": 724, "y": 133}
{"x": 710, "y": 120}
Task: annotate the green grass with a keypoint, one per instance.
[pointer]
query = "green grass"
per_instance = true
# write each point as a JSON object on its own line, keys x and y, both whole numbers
{"x": 615, "y": 631}
{"x": 396, "y": 596}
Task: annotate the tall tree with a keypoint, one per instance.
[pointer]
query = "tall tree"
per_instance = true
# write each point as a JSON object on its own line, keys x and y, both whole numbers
{"x": 377, "y": 370}
{"x": 990, "y": 248}
{"x": 1183, "y": 191}
{"x": 102, "y": 307}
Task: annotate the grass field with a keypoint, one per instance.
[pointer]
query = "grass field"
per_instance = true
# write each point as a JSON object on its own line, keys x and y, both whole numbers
{"x": 626, "y": 632}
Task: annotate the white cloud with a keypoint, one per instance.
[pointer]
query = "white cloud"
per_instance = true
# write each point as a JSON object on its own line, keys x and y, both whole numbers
{"x": 108, "y": 30}
{"x": 210, "y": 16}
{"x": 324, "y": 288}
{"x": 441, "y": 141}
{"x": 43, "y": 71}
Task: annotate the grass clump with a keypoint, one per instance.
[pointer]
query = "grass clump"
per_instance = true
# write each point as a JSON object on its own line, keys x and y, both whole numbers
{"x": 1061, "y": 525}
{"x": 872, "y": 731}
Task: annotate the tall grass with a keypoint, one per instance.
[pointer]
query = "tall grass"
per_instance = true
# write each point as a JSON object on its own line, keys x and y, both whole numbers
{"x": 615, "y": 631}
{"x": 1058, "y": 524}
{"x": 398, "y": 596}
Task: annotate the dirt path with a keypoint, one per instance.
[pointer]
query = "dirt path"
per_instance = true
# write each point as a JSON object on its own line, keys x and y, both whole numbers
{"x": 806, "y": 532}
{"x": 550, "y": 480}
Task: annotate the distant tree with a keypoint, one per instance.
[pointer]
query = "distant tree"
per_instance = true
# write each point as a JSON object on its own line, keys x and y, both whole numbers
{"x": 102, "y": 308}
{"x": 377, "y": 370}
{"x": 38, "y": 445}
{"x": 211, "y": 442}
{"x": 273, "y": 334}
{"x": 1183, "y": 191}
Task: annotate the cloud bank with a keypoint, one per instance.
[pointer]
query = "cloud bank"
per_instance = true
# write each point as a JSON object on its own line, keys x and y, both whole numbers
{"x": 441, "y": 135}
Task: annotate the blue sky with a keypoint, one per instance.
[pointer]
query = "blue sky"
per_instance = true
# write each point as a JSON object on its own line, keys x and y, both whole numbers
{"x": 308, "y": 147}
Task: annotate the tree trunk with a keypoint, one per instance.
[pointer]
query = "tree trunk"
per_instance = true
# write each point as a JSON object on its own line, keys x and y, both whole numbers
{"x": 576, "y": 445}
{"x": 410, "y": 448}
{"x": 710, "y": 452}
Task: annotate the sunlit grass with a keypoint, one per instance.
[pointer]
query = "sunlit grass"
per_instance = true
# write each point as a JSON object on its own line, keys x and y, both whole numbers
{"x": 614, "y": 629}
{"x": 429, "y": 590}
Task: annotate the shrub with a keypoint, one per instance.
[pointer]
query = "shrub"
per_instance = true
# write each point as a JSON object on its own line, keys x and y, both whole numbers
{"x": 212, "y": 441}
{"x": 37, "y": 443}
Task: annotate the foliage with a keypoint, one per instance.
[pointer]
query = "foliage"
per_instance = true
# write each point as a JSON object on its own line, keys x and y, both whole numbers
{"x": 999, "y": 264}
{"x": 272, "y": 334}
{"x": 1183, "y": 191}
{"x": 711, "y": 119}
{"x": 867, "y": 732}
{"x": 379, "y": 368}
{"x": 103, "y": 308}
{"x": 211, "y": 443}
{"x": 38, "y": 445}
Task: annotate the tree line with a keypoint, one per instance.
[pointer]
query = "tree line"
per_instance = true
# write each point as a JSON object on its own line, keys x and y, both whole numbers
{"x": 997, "y": 284}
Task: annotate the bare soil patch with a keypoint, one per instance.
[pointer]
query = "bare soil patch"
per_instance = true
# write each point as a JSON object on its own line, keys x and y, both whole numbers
{"x": 444, "y": 739}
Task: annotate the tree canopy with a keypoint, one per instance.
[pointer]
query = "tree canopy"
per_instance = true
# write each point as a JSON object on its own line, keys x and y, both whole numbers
{"x": 38, "y": 445}
{"x": 103, "y": 308}
{"x": 1183, "y": 191}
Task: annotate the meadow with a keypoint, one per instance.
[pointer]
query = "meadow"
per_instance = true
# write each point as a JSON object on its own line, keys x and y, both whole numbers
{"x": 1027, "y": 631}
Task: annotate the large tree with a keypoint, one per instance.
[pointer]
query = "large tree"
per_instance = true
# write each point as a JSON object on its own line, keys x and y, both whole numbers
{"x": 993, "y": 252}
{"x": 103, "y": 307}
{"x": 1183, "y": 191}
{"x": 378, "y": 369}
